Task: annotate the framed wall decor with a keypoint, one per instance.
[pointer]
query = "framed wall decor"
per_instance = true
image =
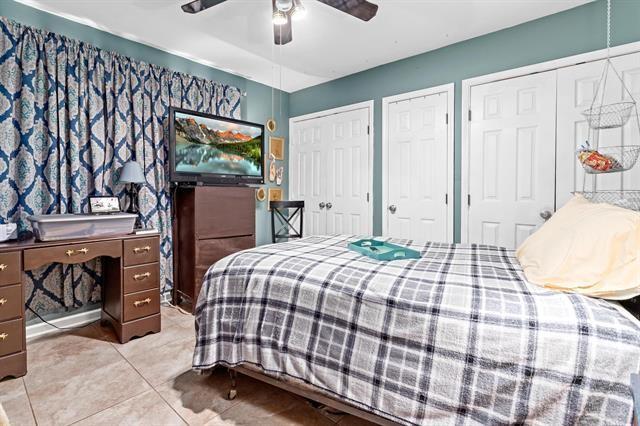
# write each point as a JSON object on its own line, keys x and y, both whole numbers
{"x": 279, "y": 175}
{"x": 261, "y": 194}
{"x": 273, "y": 171}
{"x": 276, "y": 147}
{"x": 271, "y": 125}
{"x": 275, "y": 194}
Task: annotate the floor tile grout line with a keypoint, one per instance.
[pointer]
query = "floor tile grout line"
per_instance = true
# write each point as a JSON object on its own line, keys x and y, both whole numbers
{"x": 106, "y": 408}
{"x": 113, "y": 344}
{"x": 150, "y": 385}
{"x": 109, "y": 407}
{"x": 106, "y": 339}
{"x": 236, "y": 402}
{"x": 104, "y": 336}
{"x": 151, "y": 388}
{"x": 26, "y": 392}
{"x": 169, "y": 404}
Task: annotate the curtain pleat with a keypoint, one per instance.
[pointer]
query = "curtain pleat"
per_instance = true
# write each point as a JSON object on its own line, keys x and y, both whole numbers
{"x": 71, "y": 115}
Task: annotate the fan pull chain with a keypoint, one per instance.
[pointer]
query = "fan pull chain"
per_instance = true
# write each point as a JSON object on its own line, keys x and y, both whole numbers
{"x": 608, "y": 26}
{"x": 280, "y": 83}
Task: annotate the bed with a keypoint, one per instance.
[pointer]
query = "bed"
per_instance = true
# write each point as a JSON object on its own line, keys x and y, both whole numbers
{"x": 455, "y": 337}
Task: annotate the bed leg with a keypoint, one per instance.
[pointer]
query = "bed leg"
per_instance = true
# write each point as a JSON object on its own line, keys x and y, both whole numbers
{"x": 233, "y": 391}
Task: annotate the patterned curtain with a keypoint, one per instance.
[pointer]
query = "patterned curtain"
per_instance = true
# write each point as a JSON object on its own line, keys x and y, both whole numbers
{"x": 70, "y": 116}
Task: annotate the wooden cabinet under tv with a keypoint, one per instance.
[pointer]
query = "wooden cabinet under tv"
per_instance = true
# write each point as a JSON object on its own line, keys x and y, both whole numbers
{"x": 212, "y": 222}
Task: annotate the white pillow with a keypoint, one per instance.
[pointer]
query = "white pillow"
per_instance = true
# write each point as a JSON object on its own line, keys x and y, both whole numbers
{"x": 589, "y": 248}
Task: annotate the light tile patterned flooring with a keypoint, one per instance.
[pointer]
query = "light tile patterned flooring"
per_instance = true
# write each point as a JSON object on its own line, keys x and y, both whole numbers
{"x": 85, "y": 377}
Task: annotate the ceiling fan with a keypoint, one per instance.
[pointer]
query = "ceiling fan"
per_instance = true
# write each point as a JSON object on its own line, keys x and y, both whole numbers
{"x": 284, "y": 11}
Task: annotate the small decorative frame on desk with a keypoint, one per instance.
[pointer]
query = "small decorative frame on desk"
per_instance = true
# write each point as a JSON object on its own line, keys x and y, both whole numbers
{"x": 104, "y": 205}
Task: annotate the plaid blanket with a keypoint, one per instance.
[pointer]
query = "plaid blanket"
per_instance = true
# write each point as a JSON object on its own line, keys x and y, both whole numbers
{"x": 456, "y": 337}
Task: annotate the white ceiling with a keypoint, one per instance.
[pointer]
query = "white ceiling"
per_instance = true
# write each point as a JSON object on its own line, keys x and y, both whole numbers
{"x": 236, "y": 36}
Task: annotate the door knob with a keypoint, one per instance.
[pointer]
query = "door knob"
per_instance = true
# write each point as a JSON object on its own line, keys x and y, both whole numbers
{"x": 393, "y": 208}
{"x": 329, "y": 205}
{"x": 321, "y": 205}
{"x": 546, "y": 214}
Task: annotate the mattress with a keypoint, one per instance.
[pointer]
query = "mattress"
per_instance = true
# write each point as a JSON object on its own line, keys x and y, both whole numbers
{"x": 457, "y": 336}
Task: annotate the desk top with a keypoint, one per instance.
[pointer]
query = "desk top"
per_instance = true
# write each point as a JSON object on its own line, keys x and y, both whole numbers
{"x": 32, "y": 243}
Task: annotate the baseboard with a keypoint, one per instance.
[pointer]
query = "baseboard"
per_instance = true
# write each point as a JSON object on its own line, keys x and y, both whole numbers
{"x": 75, "y": 320}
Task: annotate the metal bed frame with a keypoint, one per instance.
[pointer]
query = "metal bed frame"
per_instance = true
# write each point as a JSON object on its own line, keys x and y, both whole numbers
{"x": 304, "y": 391}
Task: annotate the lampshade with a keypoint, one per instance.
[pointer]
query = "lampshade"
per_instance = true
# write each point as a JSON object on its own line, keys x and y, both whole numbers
{"x": 131, "y": 172}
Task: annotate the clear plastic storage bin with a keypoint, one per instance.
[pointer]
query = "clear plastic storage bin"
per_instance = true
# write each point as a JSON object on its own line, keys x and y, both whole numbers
{"x": 52, "y": 227}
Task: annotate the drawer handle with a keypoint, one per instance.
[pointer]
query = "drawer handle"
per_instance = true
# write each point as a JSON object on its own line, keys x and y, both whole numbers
{"x": 3, "y": 336}
{"x": 139, "y": 303}
{"x": 3, "y": 301}
{"x": 141, "y": 249}
{"x": 83, "y": 250}
{"x": 141, "y": 276}
{"x": 3, "y": 266}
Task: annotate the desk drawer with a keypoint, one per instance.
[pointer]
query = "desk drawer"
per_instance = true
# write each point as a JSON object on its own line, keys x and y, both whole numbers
{"x": 10, "y": 268}
{"x": 11, "y": 337}
{"x": 141, "y": 304}
{"x": 70, "y": 253}
{"x": 11, "y": 301}
{"x": 142, "y": 277}
{"x": 142, "y": 250}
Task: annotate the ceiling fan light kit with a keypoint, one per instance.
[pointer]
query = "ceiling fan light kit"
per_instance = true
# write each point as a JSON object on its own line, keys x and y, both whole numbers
{"x": 279, "y": 17}
{"x": 299, "y": 11}
{"x": 284, "y": 11}
{"x": 284, "y": 5}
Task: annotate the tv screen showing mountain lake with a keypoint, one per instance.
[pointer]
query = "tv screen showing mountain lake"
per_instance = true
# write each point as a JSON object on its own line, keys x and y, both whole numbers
{"x": 205, "y": 145}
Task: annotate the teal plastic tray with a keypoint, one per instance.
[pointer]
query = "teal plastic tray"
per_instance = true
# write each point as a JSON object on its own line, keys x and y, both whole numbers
{"x": 381, "y": 250}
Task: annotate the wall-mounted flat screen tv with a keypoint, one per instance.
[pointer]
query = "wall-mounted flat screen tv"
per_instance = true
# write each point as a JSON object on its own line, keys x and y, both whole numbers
{"x": 209, "y": 149}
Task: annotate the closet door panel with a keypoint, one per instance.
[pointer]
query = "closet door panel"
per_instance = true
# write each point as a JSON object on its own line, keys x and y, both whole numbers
{"x": 629, "y": 67}
{"x": 417, "y": 168}
{"x": 347, "y": 170}
{"x": 308, "y": 159}
{"x": 511, "y": 158}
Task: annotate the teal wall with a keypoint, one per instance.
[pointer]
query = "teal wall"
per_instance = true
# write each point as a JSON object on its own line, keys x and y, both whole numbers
{"x": 578, "y": 30}
{"x": 256, "y": 106}
{"x": 575, "y": 31}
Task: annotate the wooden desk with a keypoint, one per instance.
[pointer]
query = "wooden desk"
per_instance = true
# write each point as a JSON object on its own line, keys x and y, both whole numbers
{"x": 130, "y": 295}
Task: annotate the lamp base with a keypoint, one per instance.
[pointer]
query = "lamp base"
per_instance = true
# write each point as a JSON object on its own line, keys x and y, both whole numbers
{"x": 133, "y": 204}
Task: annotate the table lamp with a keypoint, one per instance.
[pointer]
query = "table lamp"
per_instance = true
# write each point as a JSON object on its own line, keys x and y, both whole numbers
{"x": 132, "y": 174}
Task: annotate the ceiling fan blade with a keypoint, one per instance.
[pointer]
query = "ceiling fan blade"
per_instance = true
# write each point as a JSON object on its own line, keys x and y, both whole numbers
{"x": 199, "y": 5}
{"x": 282, "y": 34}
{"x": 361, "y": 9}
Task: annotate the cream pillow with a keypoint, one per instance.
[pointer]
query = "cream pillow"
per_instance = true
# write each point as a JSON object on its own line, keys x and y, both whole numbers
{"x": 588, "y": 248}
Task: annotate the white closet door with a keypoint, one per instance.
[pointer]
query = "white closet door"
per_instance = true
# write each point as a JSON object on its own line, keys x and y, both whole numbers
{"x": 347, "y": 172}
{"x": 576, "y": 88}
{"x": 330, "y": 171}
{"x": 417, "y": 169}
{"x": 308, "y": 180}
{"x": 511, "y": 158}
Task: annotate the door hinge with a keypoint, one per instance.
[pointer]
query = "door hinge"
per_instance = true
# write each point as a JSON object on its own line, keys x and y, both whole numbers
{"x": 367, "y": 197}
{"x": 368, "y": 129}
{"x": 469, "y": 115}
{"x": 446, "y": 199}
{"x": 469, "y": 200}
{"x": 446, "y": 118}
